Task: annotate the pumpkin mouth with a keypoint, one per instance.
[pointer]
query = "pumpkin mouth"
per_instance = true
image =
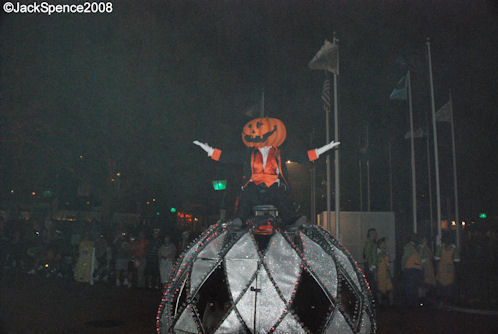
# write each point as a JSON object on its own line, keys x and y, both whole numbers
{"x": 260, "y": 139}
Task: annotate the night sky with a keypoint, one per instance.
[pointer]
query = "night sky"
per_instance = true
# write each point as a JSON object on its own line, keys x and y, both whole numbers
{"x": 84, "y": 97}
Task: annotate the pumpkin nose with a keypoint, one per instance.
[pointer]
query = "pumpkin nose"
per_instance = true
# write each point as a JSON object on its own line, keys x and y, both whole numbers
{"x": 253, "y": 131}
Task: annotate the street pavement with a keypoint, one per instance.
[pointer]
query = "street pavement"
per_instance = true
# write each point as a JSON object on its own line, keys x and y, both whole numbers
{"x": 35, "y": 304}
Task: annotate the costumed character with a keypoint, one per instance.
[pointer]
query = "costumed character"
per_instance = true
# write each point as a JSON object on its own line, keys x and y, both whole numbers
{"x": 264, "y": 179}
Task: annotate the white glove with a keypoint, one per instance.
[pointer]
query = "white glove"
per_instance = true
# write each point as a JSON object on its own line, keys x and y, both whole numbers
{"x": 327, "y": 147}
{"x": 209, "y": 150}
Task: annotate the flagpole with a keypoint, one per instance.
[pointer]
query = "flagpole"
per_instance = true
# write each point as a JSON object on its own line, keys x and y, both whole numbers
{"x": 429, "y": 178}
{"x": 368, "y": 174}
{"x": 262, "y": 105}
{"x": 313, "y": 185}
{"x": 327, "y": 161}
{"x": 390, "y": 178}
{"x": 455, "y": 186}
{"x": 412, "y": 162}
{"x": 313, "y": 194}
{"x": 327, "y": 58}
{"x": 336, "y": 152}
{"x": 361, "y": 175}
{"x": 436, "y": 159}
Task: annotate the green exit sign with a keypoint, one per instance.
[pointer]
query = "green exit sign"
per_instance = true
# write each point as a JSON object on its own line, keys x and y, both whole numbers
{"x": 483, "y": 215}
{"x": 219, "y": 184}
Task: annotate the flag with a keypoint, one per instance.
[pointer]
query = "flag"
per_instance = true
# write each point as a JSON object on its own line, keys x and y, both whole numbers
{"x": 251, "y": 111}
{"x": 443, "y": 114}
{"x": 326, "y": 95}
{"x": 400, "y": 91}
{"x": 412, "y": 60}
{"x": 257, "y": 109}
{"x": 419, "y": 133}
{"x": 327, "y": 58}
{"x": 363, "y": 153}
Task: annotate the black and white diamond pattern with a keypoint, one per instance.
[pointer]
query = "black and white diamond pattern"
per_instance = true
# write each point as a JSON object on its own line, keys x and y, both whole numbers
{"x": 236, "y": 282}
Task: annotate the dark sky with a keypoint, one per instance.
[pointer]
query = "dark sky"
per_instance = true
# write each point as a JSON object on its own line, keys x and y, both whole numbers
{"x": 132, "y": 89}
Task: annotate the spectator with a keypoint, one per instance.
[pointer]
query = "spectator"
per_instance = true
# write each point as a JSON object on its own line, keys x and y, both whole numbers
{"x": 370, "y": 257}
{"x": 103, "y": 259}
{"x": 152, "y": 277}
{"x": 427, "y": 267}
{"x": 446, "y": 256}
{"x": 122, "y": 248}
{"x": 35, "y": 249}
{"x": 58, "y": 250}
{"x": 184, "y": 241}
{"x": 167, "y": 256}
{"x": 86, "y": 264}
{"x": 138, "y": 250}
{"x": 411, "y": 264}
{"x": 383, "y": 278}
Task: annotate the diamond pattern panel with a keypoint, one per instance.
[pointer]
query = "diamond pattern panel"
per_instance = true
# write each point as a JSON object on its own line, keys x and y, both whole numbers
{"x": 212, "y": 250}
{"x": 186, "y": 322}
{"x": 206, "y": 261}
{"x": 322, "y": 264}
{"x": 213, "y": 300}
{"x": 239, "y": 273}
{"x": 200, "y": 270}
{"x": 284, "y": 264}
{"x": 269, "y": 306}
{"x": 346, "y": 264}
{"x": 311, "y": 304}
{"x": 349, "y": 301}
{"x": 338, "y": 325}
{"x": 226, "y": 269}
{"x": 231, "y": 325}
{"x": 243, "y": 249}
{"x": 289, "y": 325}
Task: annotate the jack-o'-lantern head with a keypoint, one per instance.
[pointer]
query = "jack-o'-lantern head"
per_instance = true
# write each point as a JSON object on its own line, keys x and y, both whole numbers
{"x": 261, "y": 132}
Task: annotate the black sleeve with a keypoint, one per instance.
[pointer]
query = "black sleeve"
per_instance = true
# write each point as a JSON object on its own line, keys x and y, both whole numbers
{"x": 236, "y": 157}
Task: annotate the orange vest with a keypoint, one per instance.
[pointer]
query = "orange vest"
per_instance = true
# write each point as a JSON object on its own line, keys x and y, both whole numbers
{"x": 446, "y": 268}
{"x": 414, "y": 261}
{"x": 267, "y": 174}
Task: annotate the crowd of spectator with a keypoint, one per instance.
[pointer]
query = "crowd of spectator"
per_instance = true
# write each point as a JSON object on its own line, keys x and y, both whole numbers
{"x": 446, "y": 275}
{"x": 142, "y": 256}
{"x": 126, "y": 256}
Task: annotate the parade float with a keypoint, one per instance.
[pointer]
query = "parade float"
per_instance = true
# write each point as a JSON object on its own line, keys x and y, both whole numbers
{"x": 264, "y": 279}
{"x": 266, "y": 272}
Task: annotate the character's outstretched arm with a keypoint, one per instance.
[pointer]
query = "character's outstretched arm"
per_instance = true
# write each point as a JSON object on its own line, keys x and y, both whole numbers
{"x": 315, "y": 153}
{"x": 213, "y": 153}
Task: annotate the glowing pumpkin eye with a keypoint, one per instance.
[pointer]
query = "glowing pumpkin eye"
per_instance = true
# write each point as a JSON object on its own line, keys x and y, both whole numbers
{"x": 258, "y": 124}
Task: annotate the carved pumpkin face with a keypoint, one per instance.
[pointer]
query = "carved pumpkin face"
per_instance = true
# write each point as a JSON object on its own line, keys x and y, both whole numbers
{"x": 261, "y": 132}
